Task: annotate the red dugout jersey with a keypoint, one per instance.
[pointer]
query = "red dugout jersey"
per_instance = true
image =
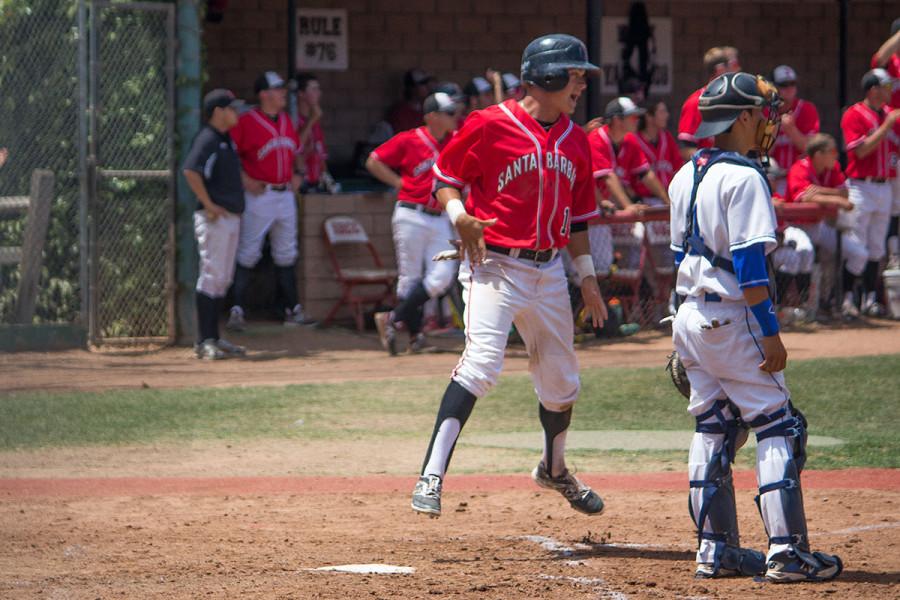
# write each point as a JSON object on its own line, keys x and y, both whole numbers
{"x": 535, "y": 182}
{"x": 266, "y": 147}
{"x": 859, "y": 122}
{"x": 315, "y": 151}
{"x": 627, "y": 160}
{"x": 893, "y": 69}
{"x": 806, "y": 117}
{"x": 690, "y": 121}
{"x": 413, "y": 154}
{"x": 802, "y": 175}
{"x": 663, "y": 157}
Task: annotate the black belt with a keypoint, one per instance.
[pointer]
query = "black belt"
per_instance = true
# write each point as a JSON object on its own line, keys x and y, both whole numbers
{"x": 870, "y": 179}
{"x": 278, "y": 188}
{"x": 540, "y": 256}
{"x": 421, "y": 208}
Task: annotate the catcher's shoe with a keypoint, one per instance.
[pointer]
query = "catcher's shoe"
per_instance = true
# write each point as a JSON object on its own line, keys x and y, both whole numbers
{"x": 709, "y": 571}
{"x": 426, "y": 496}
{"x": 229, "y": 348}
{"x": 387, "y": 333}
{"x": 236, "y": 320}
{"x": 209, "y": 350}
{"x": 793, "y": 565}
{"x": 581, "y": 497}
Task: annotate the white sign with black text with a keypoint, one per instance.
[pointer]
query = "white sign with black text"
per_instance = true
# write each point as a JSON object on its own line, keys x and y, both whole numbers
{"x": 643, "y": 54}
{"x": 321, "y": 39}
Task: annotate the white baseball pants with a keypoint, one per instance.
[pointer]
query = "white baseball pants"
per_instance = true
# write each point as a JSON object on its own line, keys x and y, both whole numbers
{"x": 217, "y": 243}
{"x": 503, "y": 291}
{"x": 871, "y": 215}
{"x": 274, "y": 213}
{"x": 418, "y": 236}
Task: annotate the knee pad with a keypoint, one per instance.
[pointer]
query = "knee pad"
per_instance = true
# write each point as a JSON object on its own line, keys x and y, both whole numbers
{"x": 717, "y": 504}
{"x": 792, "y": 426}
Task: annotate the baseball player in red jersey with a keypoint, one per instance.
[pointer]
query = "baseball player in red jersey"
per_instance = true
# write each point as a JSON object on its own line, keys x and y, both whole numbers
{"x": 888, "y": 58}
{"x": 818, "y": 178}
{"x": 267, "y": 145}
{"x": 867, "y": 127}
{"x": 716, "y": 61}
{"x": 309, "y": 132}
{"x": 799, "y": 120}
{"x": 420, "y": 225}
{"x": 529, "y": 169}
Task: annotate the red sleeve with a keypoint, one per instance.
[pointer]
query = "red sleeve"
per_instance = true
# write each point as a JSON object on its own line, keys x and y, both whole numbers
{"x": 854, "y": 128}
{"x": 391, "y": 152}
{"x": 584, "y": 204}
{"x": 808, "y": 120}
{"x": 797, "y": 182}
{"x": 874, "y": 62}
{"x": 689, "y": 121}
{"x": 601, "y": 160}
{"x": 459, "y": 162}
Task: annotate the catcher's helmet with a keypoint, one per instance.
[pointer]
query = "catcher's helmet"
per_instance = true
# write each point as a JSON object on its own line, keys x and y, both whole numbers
{"x": 547, "y": 60}
{"x": 727, "y": 96}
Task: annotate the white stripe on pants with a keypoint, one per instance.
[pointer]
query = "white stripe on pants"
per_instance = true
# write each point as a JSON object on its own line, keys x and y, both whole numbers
{"x": 417, "y": 238}
{"x": 503, "y": 291}
{"x": 217, "y": 243}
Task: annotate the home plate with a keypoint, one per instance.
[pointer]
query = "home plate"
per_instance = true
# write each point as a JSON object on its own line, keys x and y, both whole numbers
{"x": 370, "y": 569}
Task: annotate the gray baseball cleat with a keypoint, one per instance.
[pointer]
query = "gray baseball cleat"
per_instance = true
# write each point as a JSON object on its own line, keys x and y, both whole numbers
{"x": 794, "y": 565}
{"x": 236, "y": 320}
{"x": 581, "y": 497}
{"x": 209, "y": 350}
{"x": 419, "y": 345}
{"x": 295, "y": 316}
{"x": 229, "y": 348}
{"x": 387, "y": 333}
{"x": 426, "y": 496}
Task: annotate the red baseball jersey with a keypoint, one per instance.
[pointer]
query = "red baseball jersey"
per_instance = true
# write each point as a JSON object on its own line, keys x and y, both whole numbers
{"x": 806, "y": 117}
{"x": 663, "y": 157}
{"x": 859, "y": 122}
{"x": 893, "y": 69}
{"x": 266, "y": 147}
{"x": 690, "y": 121}
{"x": 314, "y": 150}
{"x": 802, "y": 175}
{"x": 626, "y": 159}
{"x": 413, "y": 154}
{"x": 535, "y": 182}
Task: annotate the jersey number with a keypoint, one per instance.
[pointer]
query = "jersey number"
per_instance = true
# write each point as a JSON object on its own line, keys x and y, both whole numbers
{"x": 564, "y": 230}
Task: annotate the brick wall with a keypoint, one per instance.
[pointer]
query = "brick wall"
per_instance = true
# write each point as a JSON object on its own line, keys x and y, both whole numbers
{"x": 456, "y": 40}
{"x": 318, "y": 288}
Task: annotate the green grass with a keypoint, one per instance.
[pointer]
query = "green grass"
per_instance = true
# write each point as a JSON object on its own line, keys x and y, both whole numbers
{"x": 855, "y": 399}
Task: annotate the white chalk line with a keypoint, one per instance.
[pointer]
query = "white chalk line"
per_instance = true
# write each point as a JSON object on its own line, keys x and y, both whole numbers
{"x": 599, "y": 584}
{"x": 861, "y": 528}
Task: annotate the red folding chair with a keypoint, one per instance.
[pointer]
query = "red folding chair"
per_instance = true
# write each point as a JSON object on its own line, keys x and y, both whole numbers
{"x": 343, "y": 235}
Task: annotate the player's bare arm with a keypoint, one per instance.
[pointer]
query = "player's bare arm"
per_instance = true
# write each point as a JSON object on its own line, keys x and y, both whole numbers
{"x": 618, "y": 193}
{"x": 195, "y": 182}
{"x": 471, "y": 230}
{"x": 890, "y": 47}
{"x": 383, "y": 173}
{"x": 654, "y": 185}
{"x": 579, "y": 245}
{"x": 825, "y": 196}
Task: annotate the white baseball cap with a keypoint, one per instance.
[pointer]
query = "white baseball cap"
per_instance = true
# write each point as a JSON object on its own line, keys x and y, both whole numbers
{"x": 783, "y": 75}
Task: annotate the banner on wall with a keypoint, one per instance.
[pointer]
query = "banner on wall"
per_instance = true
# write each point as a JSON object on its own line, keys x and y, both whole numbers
{"x": 321, "y": 39}
{"x": 636, "y": 52}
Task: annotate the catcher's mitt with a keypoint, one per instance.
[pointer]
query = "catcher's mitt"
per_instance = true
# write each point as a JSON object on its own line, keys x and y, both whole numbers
{"x": 679, "y": 375}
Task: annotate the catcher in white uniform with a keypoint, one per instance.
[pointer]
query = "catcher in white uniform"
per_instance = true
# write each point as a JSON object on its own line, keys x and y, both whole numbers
{"x": 726, "y": 334}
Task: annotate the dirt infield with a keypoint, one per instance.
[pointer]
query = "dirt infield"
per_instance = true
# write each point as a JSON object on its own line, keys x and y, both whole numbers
{"x": 280, "y": 357}
{"x": 499, "y": 538}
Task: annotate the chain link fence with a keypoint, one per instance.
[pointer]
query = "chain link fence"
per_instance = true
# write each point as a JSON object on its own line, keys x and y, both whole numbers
{"x": 39, "y": 76}
{"x": 88, "y": 93}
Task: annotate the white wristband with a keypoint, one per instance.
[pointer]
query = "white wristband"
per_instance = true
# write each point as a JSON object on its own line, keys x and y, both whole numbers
{"x": 455, "y": 209}
{"x": 584, "y": 264}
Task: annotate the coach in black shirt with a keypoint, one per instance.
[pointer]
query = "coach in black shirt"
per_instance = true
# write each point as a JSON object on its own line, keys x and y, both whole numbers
{"x": 213, "y": 172}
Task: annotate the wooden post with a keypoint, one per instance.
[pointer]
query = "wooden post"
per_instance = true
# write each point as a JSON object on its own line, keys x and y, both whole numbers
{"x": 33, "y": 244}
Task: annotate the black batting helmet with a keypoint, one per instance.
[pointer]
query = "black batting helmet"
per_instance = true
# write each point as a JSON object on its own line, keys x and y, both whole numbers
{"x": 547, "y": 60}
